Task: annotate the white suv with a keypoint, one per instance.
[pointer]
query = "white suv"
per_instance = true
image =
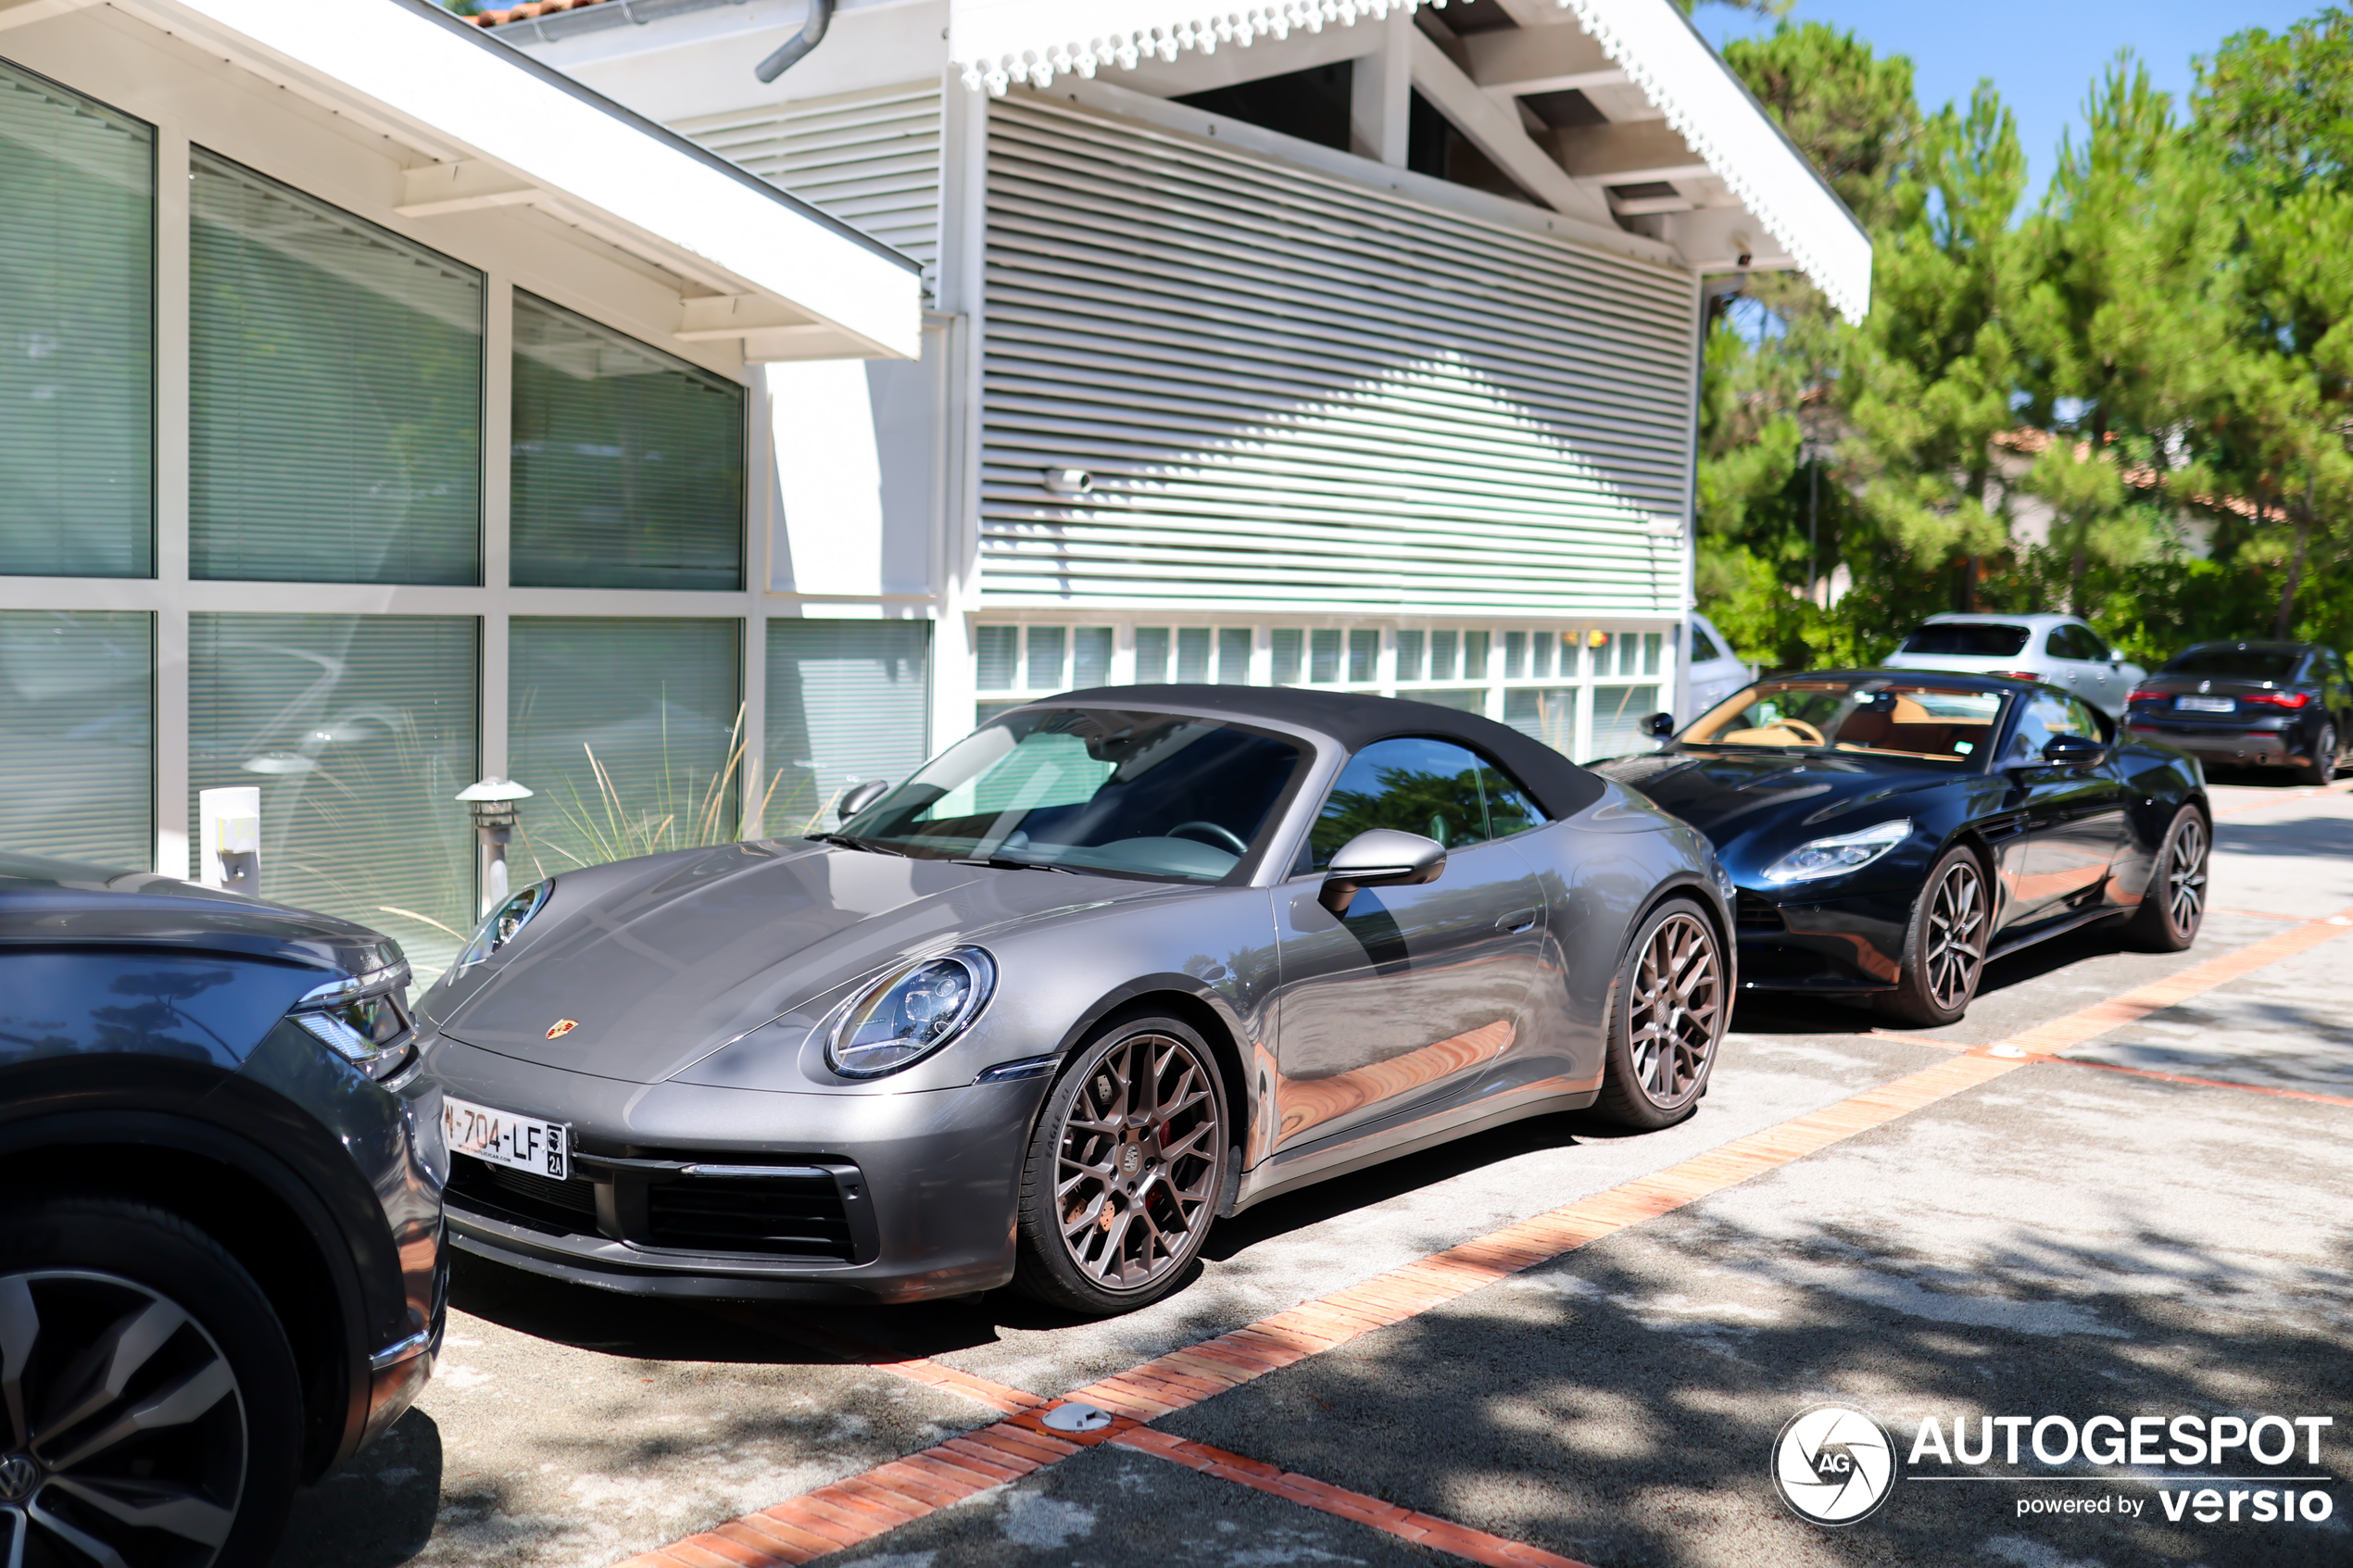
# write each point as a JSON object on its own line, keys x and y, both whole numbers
{"x": 1716, "y": 673}
{"x": 2061, "y": 649}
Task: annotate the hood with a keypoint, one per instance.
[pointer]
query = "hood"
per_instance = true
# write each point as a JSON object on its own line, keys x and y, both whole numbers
{"x": 659, "y": 961}
{"x": 1741, "y": 800}
{"x": 51, "y": 902}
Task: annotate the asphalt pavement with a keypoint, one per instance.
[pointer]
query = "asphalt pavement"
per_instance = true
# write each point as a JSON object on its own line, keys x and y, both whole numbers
{"x": 2157, "y": 1225}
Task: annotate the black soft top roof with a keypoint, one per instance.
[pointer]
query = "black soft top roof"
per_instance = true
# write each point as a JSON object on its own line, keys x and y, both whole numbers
{"x": 1356, "y": 720}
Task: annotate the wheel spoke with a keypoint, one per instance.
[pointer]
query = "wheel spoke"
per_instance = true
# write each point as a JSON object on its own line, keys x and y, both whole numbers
{"x": 95, "y": 1550}
{"x": 124, "y": 1349}
{"x": 19, "y": 1329}
{"x": 177, "y": 1406}
{"x": 180, "y": 1513}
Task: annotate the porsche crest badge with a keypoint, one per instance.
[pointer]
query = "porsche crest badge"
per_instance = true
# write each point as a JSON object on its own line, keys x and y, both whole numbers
{"x": 561, "y": 1028}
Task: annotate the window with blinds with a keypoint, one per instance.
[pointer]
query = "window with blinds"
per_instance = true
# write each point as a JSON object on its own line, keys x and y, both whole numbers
{"x": 77, "y": 319}
{"x": 628, "y": 465}
{"x": 359, "y": 731}
{"x": 335, "y": 393}
{"x": 628, "y": 730}
{"x": 848, "y": 701}
{"x": 76, "y": 727}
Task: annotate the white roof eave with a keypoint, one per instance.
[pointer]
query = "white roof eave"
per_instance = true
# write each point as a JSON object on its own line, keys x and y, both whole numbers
{"x": 998, "y": 43}
{"x": 408, "y": 63}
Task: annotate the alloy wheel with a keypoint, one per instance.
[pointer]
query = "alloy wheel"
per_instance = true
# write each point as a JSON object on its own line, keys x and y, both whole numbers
{"x": 1136, "y": 1165}
{"x": 1677, "y": 998}
{"x": 1956, "y": 936}
{"x": 122, "y": 1429}
{"x": 2185, "y": 874}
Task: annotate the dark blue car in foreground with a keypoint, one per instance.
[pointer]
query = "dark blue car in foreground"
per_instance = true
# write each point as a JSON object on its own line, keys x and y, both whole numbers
{"x": 1890, "y": 830}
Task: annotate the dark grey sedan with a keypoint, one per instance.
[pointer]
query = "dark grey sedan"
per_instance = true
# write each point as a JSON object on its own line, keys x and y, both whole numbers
{"x": 1116, "y": 964}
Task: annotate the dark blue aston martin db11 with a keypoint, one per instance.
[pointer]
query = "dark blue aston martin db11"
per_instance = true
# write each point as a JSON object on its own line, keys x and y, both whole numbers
{"x": 1890, "y": 830}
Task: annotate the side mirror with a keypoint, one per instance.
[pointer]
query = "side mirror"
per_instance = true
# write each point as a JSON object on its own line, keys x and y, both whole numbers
{"x": 1380, "y": 858}
{"x": 1659, "y": 725}
{"x": 858, "y": 796}
{"x": 2072, "y": 751}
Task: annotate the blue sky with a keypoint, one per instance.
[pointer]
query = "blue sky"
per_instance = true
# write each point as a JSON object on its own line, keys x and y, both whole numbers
{"x": 2043, "y": 54}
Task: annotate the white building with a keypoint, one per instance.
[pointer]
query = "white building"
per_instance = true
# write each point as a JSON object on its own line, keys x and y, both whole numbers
{"x": 1337, "y": 342}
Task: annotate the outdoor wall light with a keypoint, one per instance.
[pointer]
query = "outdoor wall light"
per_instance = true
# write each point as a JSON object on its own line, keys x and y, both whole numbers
{"x": 1069, "y": 481}
{"x": 493, "y": 804}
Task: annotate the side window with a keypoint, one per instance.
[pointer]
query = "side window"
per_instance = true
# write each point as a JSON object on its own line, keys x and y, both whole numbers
{"x": 2046, "y": 715}
{"x": 1704, "y": 648}
{"x": 2080, "y": 720}
{"x": 1430, "y": 787}
{"x": 2070, "y": 641}
{"x": 1510, "y": 808}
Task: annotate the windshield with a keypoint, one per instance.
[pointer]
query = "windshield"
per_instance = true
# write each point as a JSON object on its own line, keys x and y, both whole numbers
{"x": 1967, "y": 639}
{"x": 2236, "y": 664}
{"x": 1092, "y": 789}
{"x": 1872, "y": 714}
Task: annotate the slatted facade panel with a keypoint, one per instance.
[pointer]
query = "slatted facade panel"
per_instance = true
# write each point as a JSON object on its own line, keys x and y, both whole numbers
{"x": 870, "y": 158}
{"x": 1289, "y": 389}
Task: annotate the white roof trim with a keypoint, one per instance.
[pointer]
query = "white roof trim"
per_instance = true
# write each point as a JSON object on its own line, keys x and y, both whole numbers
{"x": 998, "y": 43}
{"x": 400, "y": 67}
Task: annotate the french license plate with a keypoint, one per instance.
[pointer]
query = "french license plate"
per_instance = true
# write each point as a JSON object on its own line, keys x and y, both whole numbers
{"x": 522, "y": 1143}
{"x": 2203, "y": 704}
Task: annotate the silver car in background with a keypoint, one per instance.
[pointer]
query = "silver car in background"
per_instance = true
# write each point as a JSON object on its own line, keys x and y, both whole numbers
{"x": 2063, "y": 650}
{"x": 1113, "y": 966}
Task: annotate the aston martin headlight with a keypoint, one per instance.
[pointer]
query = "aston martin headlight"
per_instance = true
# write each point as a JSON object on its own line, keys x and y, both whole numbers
{"x": 909, "y": 1013}
{"x": 1837, "y": 856}
{"x": 503, "y": 924}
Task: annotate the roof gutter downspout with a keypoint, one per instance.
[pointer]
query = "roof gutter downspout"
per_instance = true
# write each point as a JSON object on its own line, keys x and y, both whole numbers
{"x": 812, "y": 33}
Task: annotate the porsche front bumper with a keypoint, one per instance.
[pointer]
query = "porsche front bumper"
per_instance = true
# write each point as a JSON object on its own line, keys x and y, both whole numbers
{"x": 745, "y": 1194}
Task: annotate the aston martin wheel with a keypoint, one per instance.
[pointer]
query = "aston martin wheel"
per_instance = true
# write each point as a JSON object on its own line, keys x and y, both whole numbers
{"x": 2174, "y": 905}
{"x": 1945, "y": 945}
{"x": 1671, "y": 1014}
{"x": 149, "y": 1414}
{"x": 1124, "y": 1170}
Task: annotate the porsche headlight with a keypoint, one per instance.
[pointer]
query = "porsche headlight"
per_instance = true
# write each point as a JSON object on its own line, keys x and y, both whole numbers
{"x": 1838, "y": 855}
{"x": 503, "y": 924}
{"x": 909, "y": 1013}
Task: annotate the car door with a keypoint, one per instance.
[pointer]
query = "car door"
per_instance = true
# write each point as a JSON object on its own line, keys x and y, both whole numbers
{"x": 2083, "y": 663}
{"x": 2075, "y": 824}
{"x": 1406, "y": 1000}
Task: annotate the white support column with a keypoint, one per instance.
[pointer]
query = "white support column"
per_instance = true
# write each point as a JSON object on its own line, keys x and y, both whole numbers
{"x": 1380, "y": 92}
{"x": 497, "y": 442}
{"x": 171, "y": 500}
{"x": 759, "y": 544}
{"x": 963, "y": 240}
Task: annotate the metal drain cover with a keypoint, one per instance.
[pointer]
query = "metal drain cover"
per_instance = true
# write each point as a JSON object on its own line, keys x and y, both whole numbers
{"x": 1075, "y": 1415}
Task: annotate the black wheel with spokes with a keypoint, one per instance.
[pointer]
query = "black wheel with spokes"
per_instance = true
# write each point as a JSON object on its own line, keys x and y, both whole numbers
{"x": 1670, "y": 1013}
{"x": 1945, "y": 945}
{"x": 2174, "y": 906}
{"x": 148, "y": 1408}
{"x": 2322, "y": 768}
{"x": 1125, "y": 1170}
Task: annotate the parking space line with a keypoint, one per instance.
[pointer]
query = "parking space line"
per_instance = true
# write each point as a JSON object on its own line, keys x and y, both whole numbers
{"x": 1423, "y": 1529}
{"x": 2285, "y": 795}
{"x": 860, "y": 1508}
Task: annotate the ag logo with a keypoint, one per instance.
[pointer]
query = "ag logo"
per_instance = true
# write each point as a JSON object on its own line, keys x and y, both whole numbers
{"x": 1833, "y": 1465}
{"x": 561, "y": 1028}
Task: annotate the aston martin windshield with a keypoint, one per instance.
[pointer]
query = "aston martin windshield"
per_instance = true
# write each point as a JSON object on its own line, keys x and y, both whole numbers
{"x": 1862, "y": 713}
{"x": 1092, "y": 789}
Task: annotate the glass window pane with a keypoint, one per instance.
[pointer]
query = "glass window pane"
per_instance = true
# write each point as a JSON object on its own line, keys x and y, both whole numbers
{"x": 1046, "y": 644}
{"x": 1000, "y": 654}
{"x": 1363, "y": 655}
{"x": 1475, "y": 655}
{"x": 1090, "y": 657}
{"x": 656, "y": 703}
{"x": 1539, "y": 651}
{"x": 77, "y": 336}
{"x": 1151, "y": 655}
{"x": 1411, "y": 647}
{"x": 1411, "y": 785}
{"x": 1651, "y": 641}
{"x": 1549, "y": 713}
{"x": 1192, "y": 655}
{"x": 1514, "y": 655}
{"x": 1283, "y": 644}
{"x": 848, "y": 701}
{"x": 1462, "y": 699}
{"x": 628, "y": 464}
{"x": 1444, "y": 649}
{"x": 1617, "y": 715}
{"x": 76, "y": 727}
{"x": 1323, "y": 657}
{"x": 1233, "y": 655}
{"x": 335, "y": 393}
{"x": 1509, "y": 807}
{"x": 359, "y": 731}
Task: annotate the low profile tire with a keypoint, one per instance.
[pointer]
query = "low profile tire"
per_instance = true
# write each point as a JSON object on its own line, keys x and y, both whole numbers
{"x": 1125, "y": 1170}
{"x": 2175, "y": 906}
{"x": 148, "y": 1406}
{"x": 1943, "y": 945}
{"x": 2322, "y": 769}
{"x": 1670, "y": 1013}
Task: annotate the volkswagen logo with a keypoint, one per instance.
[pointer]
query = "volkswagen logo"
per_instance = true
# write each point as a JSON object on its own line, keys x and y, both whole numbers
{"x": 18, "y": 1476}
{"x": 1833, "y": 1465}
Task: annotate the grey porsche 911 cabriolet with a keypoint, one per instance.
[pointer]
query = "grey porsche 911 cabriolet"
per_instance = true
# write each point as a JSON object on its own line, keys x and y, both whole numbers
{"x": 1116, "y": 964}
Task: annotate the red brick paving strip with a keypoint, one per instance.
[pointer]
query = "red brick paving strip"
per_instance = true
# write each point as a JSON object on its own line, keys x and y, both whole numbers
{"x": 850, "y": 1511}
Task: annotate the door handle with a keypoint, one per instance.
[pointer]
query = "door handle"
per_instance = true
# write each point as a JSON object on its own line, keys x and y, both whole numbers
{"x": 1516, "y": 921}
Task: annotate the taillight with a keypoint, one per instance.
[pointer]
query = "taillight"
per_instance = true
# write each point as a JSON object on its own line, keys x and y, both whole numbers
{"x": 2145, "y": 694}
{"x": 2018, "y": 675}
{"x": 2276, "y": 699}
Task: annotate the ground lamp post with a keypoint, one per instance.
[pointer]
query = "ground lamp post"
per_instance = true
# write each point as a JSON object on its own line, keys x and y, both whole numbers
{"x": 493, "y": 801}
